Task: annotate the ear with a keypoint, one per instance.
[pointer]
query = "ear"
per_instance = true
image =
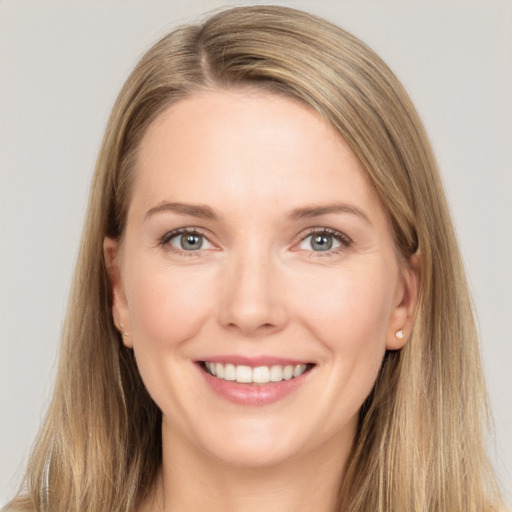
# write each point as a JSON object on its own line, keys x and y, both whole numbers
{"x": 120, "y": 311}
{"x": 406, "y": 300}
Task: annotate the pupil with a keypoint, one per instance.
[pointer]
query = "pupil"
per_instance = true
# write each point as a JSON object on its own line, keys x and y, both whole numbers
{"x": 191, "y": 242}
{"x": 322, "y": 243}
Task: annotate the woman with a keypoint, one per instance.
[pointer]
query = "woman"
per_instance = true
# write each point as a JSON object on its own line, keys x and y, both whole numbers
{"x": 269, "y": 308}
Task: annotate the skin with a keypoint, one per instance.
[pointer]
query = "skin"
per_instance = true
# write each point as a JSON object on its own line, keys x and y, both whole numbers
{"x": 257, "y": 287}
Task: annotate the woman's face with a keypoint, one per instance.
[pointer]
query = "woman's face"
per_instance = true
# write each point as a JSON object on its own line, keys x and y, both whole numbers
{"x": 256, "y": 250}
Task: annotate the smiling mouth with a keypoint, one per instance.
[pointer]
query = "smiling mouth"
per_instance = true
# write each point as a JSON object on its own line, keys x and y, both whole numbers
{"x": 255, "y": 375}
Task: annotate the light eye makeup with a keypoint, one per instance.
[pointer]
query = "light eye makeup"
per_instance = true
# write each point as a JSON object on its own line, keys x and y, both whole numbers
{"x": 187, "y": 241}
{"x": 324, "y": 241}
{"x": 317, "y": 241}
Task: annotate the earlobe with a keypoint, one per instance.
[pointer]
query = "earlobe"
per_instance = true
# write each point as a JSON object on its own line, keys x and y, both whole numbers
{"x": 403, "y": 316}
{"x": 120, "y": 313}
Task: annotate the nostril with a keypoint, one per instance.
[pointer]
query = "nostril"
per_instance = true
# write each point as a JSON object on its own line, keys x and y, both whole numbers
{"x": 253, "y": 329}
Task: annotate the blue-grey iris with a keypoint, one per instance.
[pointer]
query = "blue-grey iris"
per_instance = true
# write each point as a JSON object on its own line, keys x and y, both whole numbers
{"x": 190, "y": 242}
{"x": 321, "y": 242}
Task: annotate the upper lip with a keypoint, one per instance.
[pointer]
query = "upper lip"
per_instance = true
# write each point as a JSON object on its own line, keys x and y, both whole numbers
{"x": 253, "y": 361}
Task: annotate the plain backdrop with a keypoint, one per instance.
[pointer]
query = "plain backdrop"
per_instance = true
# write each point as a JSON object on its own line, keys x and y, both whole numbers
{"x": 61, "y": 66}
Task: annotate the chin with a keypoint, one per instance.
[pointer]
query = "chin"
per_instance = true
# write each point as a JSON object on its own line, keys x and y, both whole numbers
{"x": 254, "y": 454}
{"x": 255, "y": 443}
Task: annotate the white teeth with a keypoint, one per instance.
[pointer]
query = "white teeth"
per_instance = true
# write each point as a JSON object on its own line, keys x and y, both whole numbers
{"x": 260, "y": 374}
{"x": 211, "y": 368}
{"x": 229, "y": 372}
{"x": 244, "y": 374}
{"x": 288, "y": 372}
{"x": 276, "y": 373}
{"x": 299, "y": 370}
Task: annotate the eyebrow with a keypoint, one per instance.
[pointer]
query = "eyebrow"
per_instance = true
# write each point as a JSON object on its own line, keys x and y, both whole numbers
{"x": 309, "y": 212}
{"x": 192, "y": 210}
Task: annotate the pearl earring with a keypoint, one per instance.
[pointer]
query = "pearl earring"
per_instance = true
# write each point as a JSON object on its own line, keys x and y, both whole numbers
{"x": 121, "y": 329}
{"x": 399, "y": 334}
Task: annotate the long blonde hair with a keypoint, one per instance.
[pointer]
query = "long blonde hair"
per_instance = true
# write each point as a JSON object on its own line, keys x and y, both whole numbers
{"x": 420, "y": 444}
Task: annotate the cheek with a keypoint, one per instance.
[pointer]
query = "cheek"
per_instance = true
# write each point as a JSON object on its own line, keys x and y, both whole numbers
{"x": 351, "y": 304}
{"x": 351, "y": 322}
{"x": 166, "y": 305}
{"x": 349, "y": 315}
{"x": 167, "y": 309}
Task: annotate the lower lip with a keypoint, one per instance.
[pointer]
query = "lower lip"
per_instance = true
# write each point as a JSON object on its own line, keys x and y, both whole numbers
{"x": 253, "y": 394}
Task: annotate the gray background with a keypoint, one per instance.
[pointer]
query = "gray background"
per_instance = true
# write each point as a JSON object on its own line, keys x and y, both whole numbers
{"x": 61, "y": 66}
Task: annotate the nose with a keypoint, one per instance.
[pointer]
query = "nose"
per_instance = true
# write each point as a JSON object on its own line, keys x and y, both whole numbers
{"x": 252, "y": 300}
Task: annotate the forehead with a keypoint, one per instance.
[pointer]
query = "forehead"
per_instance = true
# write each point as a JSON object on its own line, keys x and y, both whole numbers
{"x": 247, "y": 148}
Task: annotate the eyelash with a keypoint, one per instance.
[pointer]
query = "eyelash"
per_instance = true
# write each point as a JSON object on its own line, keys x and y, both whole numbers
{"x": 342, "y": 238}
{"x": 164, "y": 241}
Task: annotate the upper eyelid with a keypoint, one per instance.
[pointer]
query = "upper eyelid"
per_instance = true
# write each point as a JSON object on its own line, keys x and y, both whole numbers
{"x": 165, "y": 238}
{"x": 186, "y": 229}
{"x": 165, "y": 241}
{"x": 344, "y": 241}
{"x": 329, "y": 231}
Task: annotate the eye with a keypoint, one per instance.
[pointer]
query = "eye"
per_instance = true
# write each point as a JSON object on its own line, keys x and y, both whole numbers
{"x": 319, "y": 242}
{"x": 324, "y": 240}
{"x": 186, "y": 239}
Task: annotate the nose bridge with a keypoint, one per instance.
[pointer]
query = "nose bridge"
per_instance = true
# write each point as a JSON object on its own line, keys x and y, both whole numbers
{"x": 250, "y": 300}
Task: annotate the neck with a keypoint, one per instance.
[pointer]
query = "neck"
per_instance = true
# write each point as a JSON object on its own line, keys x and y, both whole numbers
{"x": 192, "y": 480}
